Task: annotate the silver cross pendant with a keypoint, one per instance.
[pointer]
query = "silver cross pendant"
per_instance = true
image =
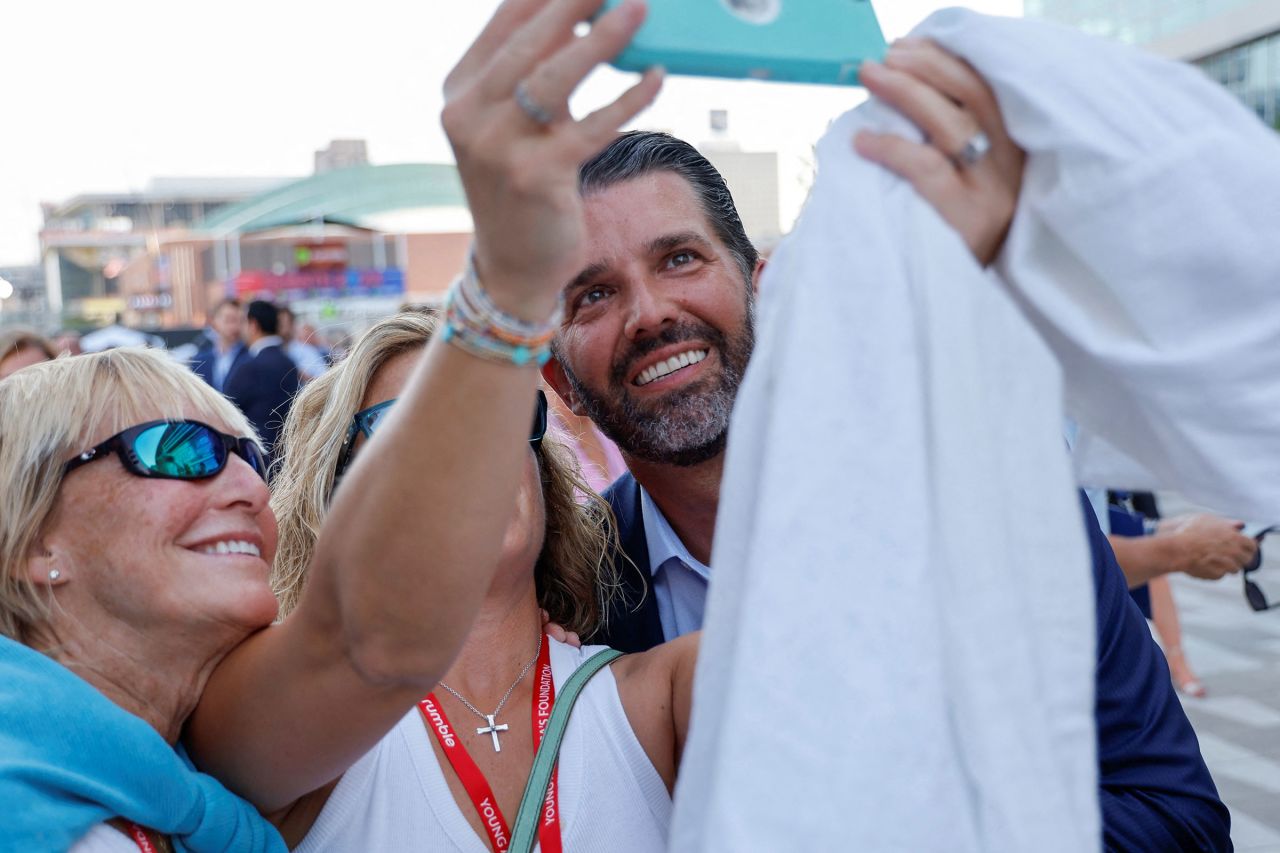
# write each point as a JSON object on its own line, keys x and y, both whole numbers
{"x": 492, "y": 729}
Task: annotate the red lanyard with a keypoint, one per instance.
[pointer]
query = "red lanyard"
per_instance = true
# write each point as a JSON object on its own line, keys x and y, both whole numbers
{"x": 544, "y": 699}
{"x": 140, "y": 837}
{"x": 477, "y": 787}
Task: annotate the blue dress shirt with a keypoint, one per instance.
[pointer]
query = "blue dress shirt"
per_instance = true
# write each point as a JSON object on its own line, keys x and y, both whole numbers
{"x": 679, "y": 579}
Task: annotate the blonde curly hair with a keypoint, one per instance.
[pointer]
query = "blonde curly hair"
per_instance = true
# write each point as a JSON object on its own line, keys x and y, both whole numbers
{"x": 573, "y": 573}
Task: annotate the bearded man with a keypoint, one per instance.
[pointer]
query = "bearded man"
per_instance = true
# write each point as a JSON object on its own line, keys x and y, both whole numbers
{"x": 657, "y": 333}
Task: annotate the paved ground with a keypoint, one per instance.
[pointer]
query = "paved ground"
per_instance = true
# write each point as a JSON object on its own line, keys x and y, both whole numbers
{"x": 1236, "y": 653}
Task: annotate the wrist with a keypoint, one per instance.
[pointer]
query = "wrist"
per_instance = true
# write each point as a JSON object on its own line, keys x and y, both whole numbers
{"x": 1172, "y": 553}
{"x": 475, "y": 323}
{"x": 510, "y": 292}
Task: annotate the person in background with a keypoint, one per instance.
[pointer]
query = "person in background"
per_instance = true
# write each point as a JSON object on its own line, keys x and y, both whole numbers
{"x": 598, "y": 457}
{"x": 309, "y": 334}
{"x": 1149, "y": 549}
{"x": 1164, "y": 616}
{"x": 1203, "y": 546}
{"x": 67, "y": 341}
{"x": 21, "y": 347}
{"x": 223, "y": 349}
{"x": 264, "y": 384}
{"x": 308, "y": 358}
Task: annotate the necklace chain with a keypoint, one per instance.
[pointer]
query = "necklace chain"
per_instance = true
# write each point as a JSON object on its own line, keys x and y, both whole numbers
{"x": 505, "y": 696}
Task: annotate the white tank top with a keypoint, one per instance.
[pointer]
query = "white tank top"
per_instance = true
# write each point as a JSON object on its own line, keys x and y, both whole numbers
{"x": 396, "y": 797}
{"x": 104, "y": 838}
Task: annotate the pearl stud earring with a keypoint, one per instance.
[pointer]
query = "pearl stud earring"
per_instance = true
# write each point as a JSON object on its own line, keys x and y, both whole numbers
{"x": 54, "y": 574}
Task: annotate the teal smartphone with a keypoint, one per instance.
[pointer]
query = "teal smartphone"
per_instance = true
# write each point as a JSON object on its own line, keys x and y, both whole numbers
{"x": 797, "y": 41}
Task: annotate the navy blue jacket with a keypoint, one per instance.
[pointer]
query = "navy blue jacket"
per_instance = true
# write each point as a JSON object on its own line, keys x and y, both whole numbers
{"x": 1155, "y": 790}
{"x": 263, "y": 387}
{"x": 202, "y": 362}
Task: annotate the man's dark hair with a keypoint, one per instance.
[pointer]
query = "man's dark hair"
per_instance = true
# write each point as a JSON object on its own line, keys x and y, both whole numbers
{"x": 265, "y": 315}
{"x": 640, "y": 152}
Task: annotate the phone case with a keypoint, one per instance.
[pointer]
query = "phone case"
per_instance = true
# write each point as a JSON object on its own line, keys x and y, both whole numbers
{"x": 801, "y": 41}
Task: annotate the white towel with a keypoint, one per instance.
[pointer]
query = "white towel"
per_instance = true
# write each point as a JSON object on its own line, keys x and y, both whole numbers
{"x": 900, "y": 645}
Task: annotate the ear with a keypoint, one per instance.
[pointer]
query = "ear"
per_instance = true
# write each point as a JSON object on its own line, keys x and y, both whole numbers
{"x": 755, "y": 276}
{"x": 553, "y": 374}
{"x": 46, "y": 566}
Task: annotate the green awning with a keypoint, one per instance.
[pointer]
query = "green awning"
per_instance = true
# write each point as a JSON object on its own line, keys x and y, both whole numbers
{"x": 343, "y": 196}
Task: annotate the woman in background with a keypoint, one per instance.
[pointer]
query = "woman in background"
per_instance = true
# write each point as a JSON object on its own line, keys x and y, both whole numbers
{"x": 20, "y": 347}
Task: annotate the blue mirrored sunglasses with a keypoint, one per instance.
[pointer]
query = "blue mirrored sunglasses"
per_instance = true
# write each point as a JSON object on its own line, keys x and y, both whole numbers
{"x": 366, "y": 421}
{"x": 174, "y": 450}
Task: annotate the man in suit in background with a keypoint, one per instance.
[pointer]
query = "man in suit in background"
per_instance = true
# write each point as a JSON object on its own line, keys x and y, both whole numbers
{"x": 264, "y": 385}
{"x": 657, "y": 333}
{"x": 223, "y": 350}
{"x": 310, "y": 361}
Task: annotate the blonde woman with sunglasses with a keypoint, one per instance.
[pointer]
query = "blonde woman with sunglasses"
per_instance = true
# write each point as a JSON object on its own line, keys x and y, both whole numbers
{"x": 134, "y": 585}
{"x": 450, "y": 775}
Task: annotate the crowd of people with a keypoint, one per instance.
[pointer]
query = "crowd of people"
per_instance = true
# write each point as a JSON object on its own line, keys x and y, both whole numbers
{"x": 370, "y": 652}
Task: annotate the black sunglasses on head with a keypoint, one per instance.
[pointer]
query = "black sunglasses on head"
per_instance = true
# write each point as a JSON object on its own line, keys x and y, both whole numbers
{"x": 1252, "y": 592}
{"x": 366, "y": 421}
{"x": 174, "y": 450}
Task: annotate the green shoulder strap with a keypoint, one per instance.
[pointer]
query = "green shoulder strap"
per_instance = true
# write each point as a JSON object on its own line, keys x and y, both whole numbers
{"x": 525, "y": 832}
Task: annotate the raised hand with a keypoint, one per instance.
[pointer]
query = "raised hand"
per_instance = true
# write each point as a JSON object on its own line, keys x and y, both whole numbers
{"x": 974, "y": 190}
{"x": 518, "y": 147}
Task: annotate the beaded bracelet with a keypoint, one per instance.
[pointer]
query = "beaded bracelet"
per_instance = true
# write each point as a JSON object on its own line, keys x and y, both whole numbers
{"x": 476, "y": 325}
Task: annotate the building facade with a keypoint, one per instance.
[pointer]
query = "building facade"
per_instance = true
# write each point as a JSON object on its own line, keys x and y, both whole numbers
{"x": 752, "y": 178}
{"x": 340, "y": 246}
{"x": 1235, "y": 42}
{"x": 88, "y": 242}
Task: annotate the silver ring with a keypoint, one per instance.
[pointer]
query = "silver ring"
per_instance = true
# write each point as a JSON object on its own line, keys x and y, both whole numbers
{"x": 535, "y": 111}
{"x": 978, "y": 146}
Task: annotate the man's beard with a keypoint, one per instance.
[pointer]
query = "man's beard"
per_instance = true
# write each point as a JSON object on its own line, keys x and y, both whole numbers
{"x": 685, "y": 427}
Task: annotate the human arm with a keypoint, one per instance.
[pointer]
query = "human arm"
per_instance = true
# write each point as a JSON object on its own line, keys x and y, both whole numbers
{"x": 1154, "y": 788}
{"x": 656, "y": 689}
{"x": 950, "y": 102}
{"x": 1203, "y": 546}
{"x": 413, "y": 535}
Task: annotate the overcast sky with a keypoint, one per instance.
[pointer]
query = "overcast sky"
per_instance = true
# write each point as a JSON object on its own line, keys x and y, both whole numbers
{"x": 104, "y": 96}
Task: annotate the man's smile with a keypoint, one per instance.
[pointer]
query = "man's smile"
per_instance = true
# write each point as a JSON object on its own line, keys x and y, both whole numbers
{"x": 670, "y": 364}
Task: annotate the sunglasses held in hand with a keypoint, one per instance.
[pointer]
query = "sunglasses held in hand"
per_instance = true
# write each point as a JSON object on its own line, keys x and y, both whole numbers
{"x": 1252, "y": 592}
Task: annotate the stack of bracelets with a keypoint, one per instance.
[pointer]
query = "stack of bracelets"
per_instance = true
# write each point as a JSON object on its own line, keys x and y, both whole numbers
{"x": 474, "y": 323}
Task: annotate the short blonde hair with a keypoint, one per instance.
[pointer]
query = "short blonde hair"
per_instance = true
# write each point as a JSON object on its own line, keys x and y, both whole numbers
{"x": 572, "y": 570}
{"x": 49, "y": 412}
